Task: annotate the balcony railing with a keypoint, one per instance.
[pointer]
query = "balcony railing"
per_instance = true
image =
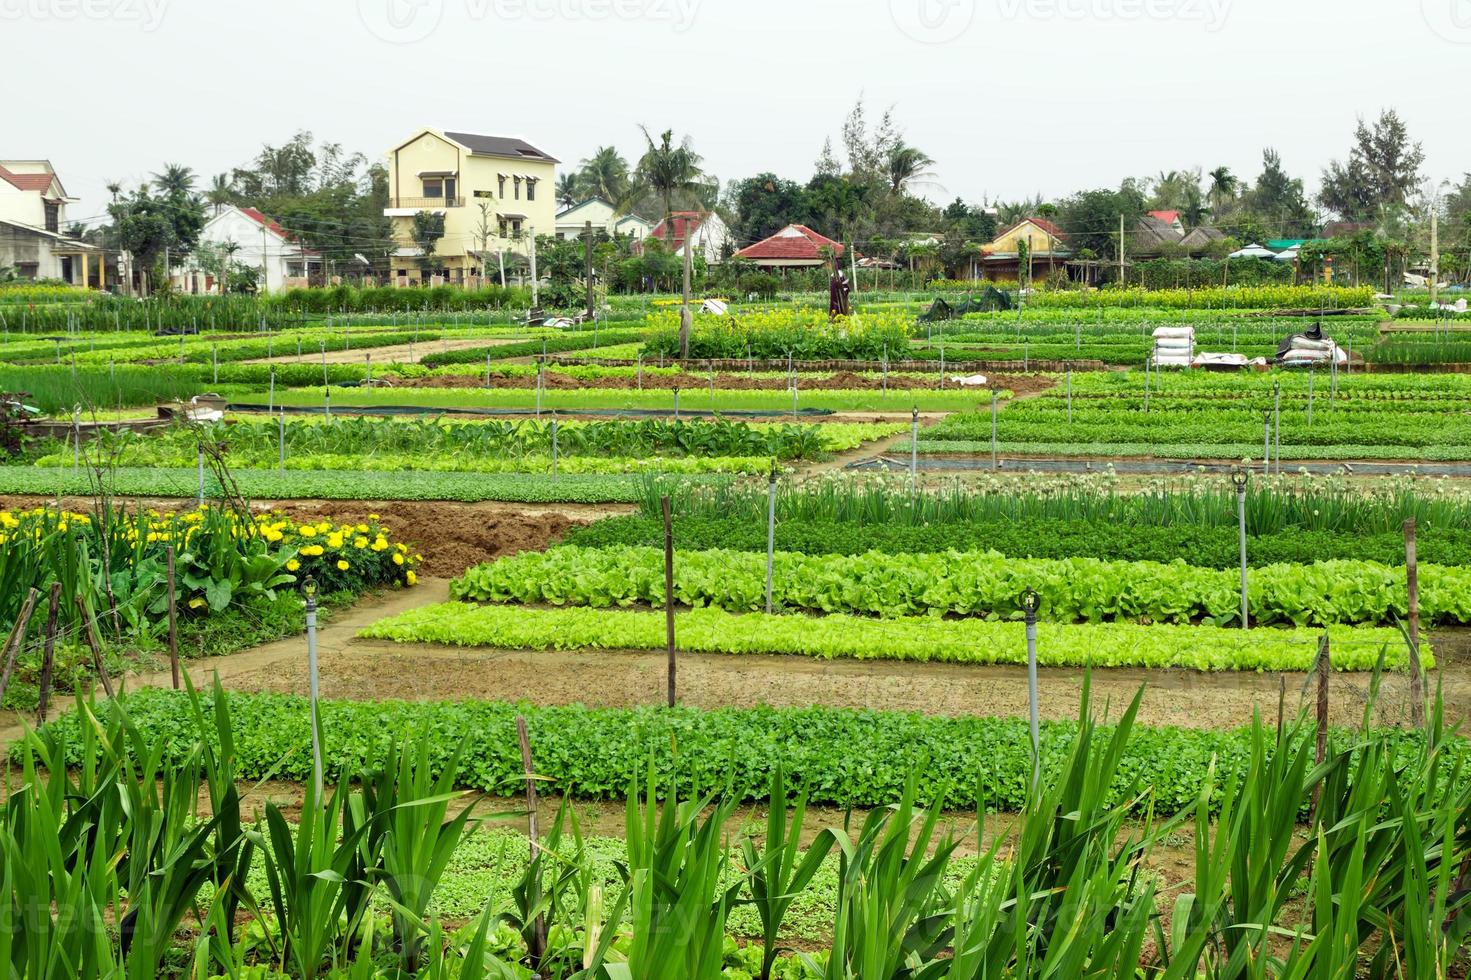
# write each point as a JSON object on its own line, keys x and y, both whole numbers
{"x": 425, "y": 203}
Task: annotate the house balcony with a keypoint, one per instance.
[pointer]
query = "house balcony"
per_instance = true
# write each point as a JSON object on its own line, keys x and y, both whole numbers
{"x": 424, "y": 203}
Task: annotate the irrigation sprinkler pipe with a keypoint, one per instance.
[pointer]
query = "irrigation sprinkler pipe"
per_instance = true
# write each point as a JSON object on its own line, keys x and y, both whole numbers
{"x": 201, "y": 474}
{"x": 310, "y": 587}
{"x": 995, "y": 457}
{"x": 1277, "y": 423}
{"x": 914, "y": 447}
{"x": 770, "y": 532}
{"x": 1030, "y": 602}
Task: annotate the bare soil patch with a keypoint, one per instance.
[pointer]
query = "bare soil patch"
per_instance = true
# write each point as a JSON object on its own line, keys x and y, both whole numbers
{"x": 839, "y": 381}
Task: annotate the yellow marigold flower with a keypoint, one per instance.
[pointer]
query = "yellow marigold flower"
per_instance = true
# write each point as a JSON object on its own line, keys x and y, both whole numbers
{"x": 372, "y": 517}
{"x": 307, "y": 531}
{"x": 359, "y": 542}
{"x": 398, "y": 559}
{"x": 342, "y": 566}
{"x": 379, "y": 544}
{"x": 334, "y": 541}
{"x": 411, "y": 578}
{"x": 293, "y": 565}
{"x": 362, "y": 529}
{"x": 402, "y": 548}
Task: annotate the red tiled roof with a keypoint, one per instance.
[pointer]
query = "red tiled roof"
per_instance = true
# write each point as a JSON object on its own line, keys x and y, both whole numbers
{"x": 1042, "y": 225}
{"x": 794, "y": 242}
{"x": 1168, "y": 217}
{"x": 261, "y": 219}
{"x": 28, "y": 182}
{"x": 682, "y": 223}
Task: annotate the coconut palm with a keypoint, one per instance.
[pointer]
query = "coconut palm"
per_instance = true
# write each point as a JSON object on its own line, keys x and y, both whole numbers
{"x": 176, "y": 180}
{"x": 1223, "y": 188}
{"x": 221, "y": 190}
{"x": 604, "y": 174}
{"x": 907, "y": 165}
{"x": 665, "y": 171}
{"x": 567, "y": 190}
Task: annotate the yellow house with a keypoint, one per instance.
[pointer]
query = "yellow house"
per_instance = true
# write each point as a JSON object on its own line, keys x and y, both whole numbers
{"x": 1046, "y": 248}
{"x": 494, "y": 192}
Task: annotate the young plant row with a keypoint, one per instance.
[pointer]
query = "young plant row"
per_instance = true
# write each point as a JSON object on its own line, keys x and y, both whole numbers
{"x": 1273, "y": 504}
{"x": 918, "y": 639}
{"x": 1051, "y": 537}
{"x": 582, "y": 340}
{"x": 799, "y": 333}
{"x": 975, "y": 583}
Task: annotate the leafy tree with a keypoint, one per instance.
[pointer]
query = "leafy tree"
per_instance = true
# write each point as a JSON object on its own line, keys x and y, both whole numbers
{"x": 765, "y": 204}
{"x": 1382, "y": 170}
{"x": 969, "y": 223}
{"x": 1276, "y": 206}
{"x": 428, "y": 229}
{"x": 567, "y": 194}
{"x": 1091, "y": 218}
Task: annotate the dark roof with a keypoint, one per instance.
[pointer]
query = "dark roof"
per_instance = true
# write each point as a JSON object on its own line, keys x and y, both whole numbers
{"x": 500, "y": 146}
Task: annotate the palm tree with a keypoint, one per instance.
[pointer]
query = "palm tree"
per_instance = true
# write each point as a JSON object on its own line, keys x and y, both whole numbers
{"x": 1223, "y": 188}
{"x": 567, "y": 190}
{"x": 665, "y": 170}
{"x": 221, "y": 190}
{"x": 604, "y": 174}
{"x": 176, "y": 180}
{"x": 907, "y": 165}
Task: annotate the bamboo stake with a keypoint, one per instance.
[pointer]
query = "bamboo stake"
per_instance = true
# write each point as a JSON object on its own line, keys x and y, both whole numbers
{"x": 48, "y": 654}
{"x": 173, "y": 617}
{"x": 1412, "y": 582}
{"x": 669, "y": 592}
{"x": 89, "y": 633}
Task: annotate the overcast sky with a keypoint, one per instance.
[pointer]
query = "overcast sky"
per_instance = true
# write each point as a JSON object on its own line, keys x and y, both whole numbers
{"x": 1011, "y": 97}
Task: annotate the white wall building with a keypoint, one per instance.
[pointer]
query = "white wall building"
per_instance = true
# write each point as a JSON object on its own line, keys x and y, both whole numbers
{"x": 705, "y": 228}
{"x": 604, "y": 217}
{"x": 263, "y": 244}
{"x": 32, "y": 227}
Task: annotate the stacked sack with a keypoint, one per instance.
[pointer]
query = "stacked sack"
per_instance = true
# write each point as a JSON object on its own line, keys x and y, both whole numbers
{"x": 1174, "y": 346}
{"x": 1301, "y": 350}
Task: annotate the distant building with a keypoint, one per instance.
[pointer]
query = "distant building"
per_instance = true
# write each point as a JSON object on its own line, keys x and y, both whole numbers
{"x": 1161, "y": 234}
{"x": 704, "y": 228}
{"x": 32, "y": 218}
{"x": 494, "y": 192}
{"x": 1046, "y": 248}
{"x": 263, "y": 246}
{"x": 795, "y": 246}
{"x": 604, "y": 217}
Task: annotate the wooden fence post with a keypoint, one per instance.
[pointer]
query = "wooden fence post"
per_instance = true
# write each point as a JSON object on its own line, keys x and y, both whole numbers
{"x": 1412, "y": 582}
{"x": 17, "y": 637}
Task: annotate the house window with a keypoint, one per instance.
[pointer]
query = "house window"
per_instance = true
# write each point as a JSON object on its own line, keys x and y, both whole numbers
{"x": 503, "y": 227}
{"x": 530, "y": 188}
{"x": 53, "y": 216}
{"x": 501, "y": 179}
{"x": 433, "y": 187}
{"x": 518, "y": 187}
{"x": 516, "y": 226}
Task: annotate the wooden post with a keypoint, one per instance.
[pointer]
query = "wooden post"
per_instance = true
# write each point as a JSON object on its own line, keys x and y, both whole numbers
{"x": 48, "y": 653}
{"x": 1412, "y": 582}
{"x": 17, "y": 637}
{"x": 669, "y": 591}
{"x": 539, "y": 930}
{"x": 173, "y": 617}
{"x": 89, "y": 633}
{"x": 1325, "y": 667}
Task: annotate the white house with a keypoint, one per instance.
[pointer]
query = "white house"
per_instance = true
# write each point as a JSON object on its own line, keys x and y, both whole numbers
{"x": 705, "y": 228}
{"x": 263, "y": 245}
{"x": 32, "y": 218}
{"x": 604, "y": 217}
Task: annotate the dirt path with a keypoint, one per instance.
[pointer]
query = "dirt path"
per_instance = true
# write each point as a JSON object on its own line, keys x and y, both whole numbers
{"x": 371, "y": 669}
{"x": 397, "y": 354}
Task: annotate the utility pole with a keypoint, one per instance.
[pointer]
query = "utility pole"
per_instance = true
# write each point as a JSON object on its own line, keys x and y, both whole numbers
{"x": 1434, "y": 250}
{"x": 686, "y": 318}
{"x": 1121, "y": 250}
{"x": 587, "y": 265}
{"x": 535, "y": 289}
{"x": 265, "y": 272}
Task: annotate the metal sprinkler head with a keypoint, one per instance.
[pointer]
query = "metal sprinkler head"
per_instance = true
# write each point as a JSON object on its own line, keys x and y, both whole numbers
{"x": 1031, "y": 602}
{"x": 1239, "y": 476}
{"x": 309, "y": 587}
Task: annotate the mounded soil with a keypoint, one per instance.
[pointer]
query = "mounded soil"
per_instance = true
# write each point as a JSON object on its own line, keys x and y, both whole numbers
{"x": 839, "y": 381}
